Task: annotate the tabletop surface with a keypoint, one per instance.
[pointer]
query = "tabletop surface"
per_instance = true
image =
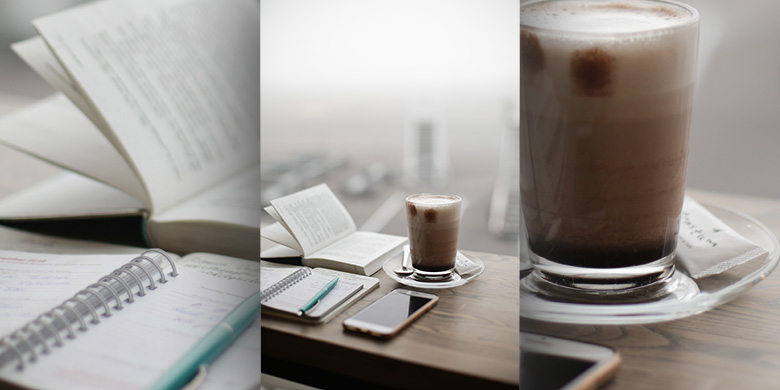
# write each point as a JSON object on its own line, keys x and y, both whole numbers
{"x": 736, "y": 345}
{"x": 469, "y": 338}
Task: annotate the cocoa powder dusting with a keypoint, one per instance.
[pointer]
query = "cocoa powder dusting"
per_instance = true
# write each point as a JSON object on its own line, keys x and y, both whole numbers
{"x": 430, "y": 215}
{"x": 591, "y": 72}
{"x": 531, "y": 55}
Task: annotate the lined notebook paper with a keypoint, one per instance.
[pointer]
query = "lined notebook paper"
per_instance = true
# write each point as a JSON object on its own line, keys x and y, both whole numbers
{"x": 136, "y": 344}
{"x": 288, "y": 290}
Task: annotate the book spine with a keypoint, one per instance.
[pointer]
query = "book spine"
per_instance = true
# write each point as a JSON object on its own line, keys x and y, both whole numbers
{"x": 284, "y": 284}
{"x": 96, "y": 300}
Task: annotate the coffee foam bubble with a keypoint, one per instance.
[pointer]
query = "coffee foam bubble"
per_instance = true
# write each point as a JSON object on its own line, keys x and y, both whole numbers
{"x": 604, "y": 17}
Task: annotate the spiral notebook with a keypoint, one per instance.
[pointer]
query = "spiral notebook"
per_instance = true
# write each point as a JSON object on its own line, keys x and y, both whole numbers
{"x": 286, "y": 289}
{"x": 111, "y": 321}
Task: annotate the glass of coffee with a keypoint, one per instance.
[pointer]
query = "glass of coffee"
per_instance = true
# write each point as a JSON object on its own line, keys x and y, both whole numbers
{"x": 606, "y": 94}
{"x": 433, "y": 221}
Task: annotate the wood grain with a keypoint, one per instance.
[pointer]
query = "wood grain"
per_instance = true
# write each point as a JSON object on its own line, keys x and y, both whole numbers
{"x": 470, "y": 338}
{"x": 736, "y": 345}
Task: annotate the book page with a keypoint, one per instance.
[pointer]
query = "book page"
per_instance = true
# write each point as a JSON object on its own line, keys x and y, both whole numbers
{"x": 314, "y": 217}
{"x": 280, "y": 252}
{"x": 270, "y": 210}
{"x": 37, "y": 55}
{"x": 68, "y": 195}
{"x": 55, "y": 131}
{"x": 236, "y": 201}
{"x": 176, "y": 81}
{"x": 278, "y": 234}
{"x": 138, "y": 344}
{"x": 360, "y": 248}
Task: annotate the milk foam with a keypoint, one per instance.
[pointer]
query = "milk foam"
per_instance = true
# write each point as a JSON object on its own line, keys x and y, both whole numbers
{"x": 601, "y": 17}
{"x": 432, "y": 200}
{"x": 625, "y": 43}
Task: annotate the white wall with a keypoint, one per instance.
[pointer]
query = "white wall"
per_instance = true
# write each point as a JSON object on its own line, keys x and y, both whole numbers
{"x": 735, "y": 139}
{"x": 351, "y": 69}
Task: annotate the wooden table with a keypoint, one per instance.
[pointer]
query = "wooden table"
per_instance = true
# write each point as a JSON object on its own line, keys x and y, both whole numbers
{"x": 469, "y": 340}
{"x": 734, "y": 346}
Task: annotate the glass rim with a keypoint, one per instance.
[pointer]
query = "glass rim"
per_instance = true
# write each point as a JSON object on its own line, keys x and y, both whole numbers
{"x": 457, "y": 198}
{"x": 693, "y": 21}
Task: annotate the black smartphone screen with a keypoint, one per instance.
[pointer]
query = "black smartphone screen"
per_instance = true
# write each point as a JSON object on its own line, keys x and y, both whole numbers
{"x": 392, "y": 309}
{"x": 539, "y": 371}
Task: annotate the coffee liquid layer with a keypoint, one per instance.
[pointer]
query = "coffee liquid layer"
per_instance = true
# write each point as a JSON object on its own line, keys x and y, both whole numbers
{"x": 434, "y": 249}
{"x": 594, "y": 257}
{"x": 604, "y": 133}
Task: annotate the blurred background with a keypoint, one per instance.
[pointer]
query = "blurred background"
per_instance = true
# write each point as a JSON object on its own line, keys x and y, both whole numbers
{"x": 348, "y": 79}
{"x": 356, "y": 93}
{"x": 736, "y": 115}
{"x": 383, "y": 99}
{"x": 17, "y": 80}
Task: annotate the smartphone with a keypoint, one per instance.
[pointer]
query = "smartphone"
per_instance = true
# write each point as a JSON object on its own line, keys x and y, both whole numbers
{"x": 554, "y": 363}
{"x": 391, "y": 313}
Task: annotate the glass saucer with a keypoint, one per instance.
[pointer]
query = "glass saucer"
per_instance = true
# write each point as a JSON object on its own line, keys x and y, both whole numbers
{"x": 693, "y": 295}
{"x": 457, "y": 280}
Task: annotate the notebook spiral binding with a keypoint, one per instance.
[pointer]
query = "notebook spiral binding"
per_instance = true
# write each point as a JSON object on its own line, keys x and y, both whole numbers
{"x": 284, "y": 284}
{"x": 49, "y": 325}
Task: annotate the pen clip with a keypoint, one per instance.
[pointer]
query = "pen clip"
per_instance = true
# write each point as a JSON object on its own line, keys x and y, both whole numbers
{"x": 303, "y": 313}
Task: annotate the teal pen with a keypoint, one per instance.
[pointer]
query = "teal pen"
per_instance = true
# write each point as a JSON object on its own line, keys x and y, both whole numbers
{"x": 317, "y": 298}
{"x": 207, "y": 349}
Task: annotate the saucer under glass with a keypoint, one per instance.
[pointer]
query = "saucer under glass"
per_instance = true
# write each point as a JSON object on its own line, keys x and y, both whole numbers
{"x": 412, "y": 280}
{"x": 679, "y": 297}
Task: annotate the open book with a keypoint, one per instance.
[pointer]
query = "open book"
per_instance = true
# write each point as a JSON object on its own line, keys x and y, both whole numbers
{"x": 314, "y": 224}
{"x": 118, "y": 321}
{"x": 157, "y": 116}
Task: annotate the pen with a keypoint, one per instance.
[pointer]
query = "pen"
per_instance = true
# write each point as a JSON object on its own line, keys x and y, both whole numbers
{"x": 216, "y": 341}
{"x": 317, "y": 298}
